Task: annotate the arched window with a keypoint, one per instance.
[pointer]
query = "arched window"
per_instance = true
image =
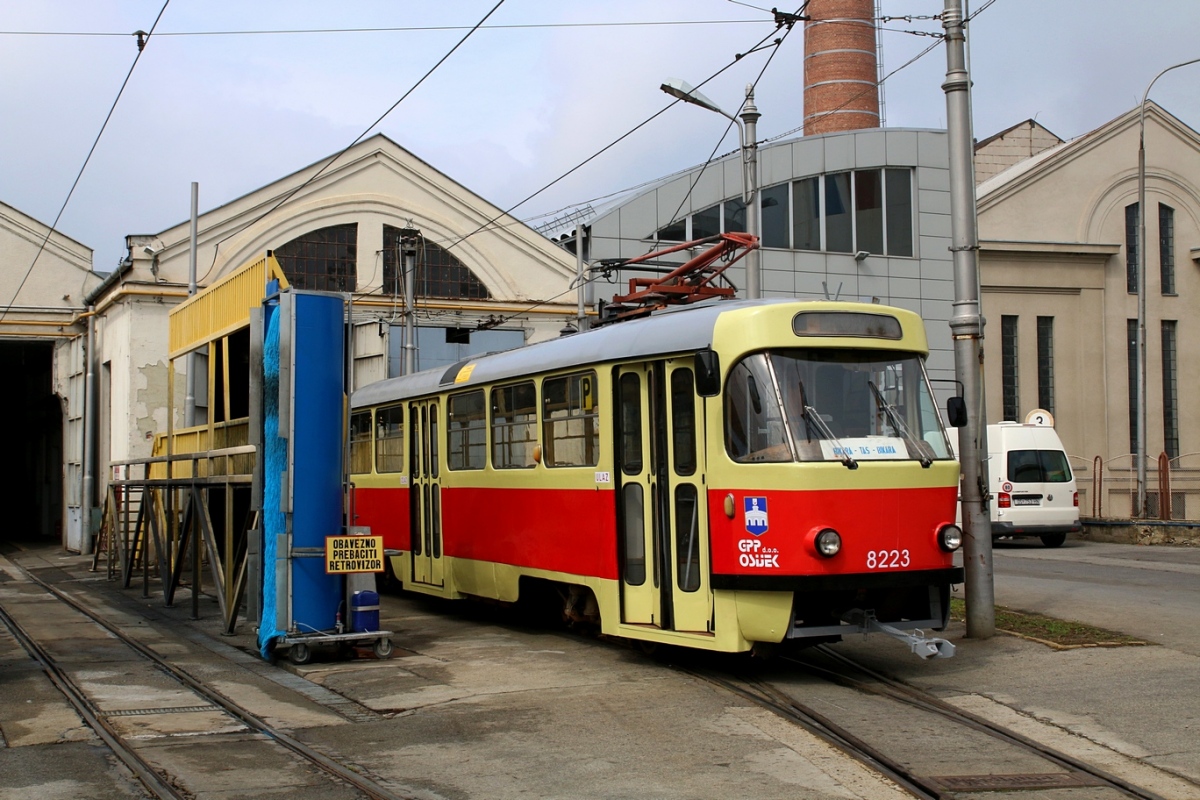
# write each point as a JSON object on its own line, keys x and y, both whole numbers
{"x": 323, "y": 260}
{"x": 439, "y": 273}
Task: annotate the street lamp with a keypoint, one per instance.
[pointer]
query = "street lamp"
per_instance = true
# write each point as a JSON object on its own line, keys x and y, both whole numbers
{"x": 747, "y": 132}
{"x": 1141, "y": 292}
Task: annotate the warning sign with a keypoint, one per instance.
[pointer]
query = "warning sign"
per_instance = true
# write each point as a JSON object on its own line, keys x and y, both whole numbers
{"x": 353, "y": 554}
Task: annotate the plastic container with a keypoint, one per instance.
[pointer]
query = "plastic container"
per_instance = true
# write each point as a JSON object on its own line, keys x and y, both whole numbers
{"x": 364, "y": 611}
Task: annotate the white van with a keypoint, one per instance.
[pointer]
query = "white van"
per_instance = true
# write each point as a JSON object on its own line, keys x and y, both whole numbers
{"x": 1032, "y": 489}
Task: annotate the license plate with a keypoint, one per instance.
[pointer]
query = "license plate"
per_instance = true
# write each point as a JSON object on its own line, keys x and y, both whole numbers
{"x": 1026, "y": 501}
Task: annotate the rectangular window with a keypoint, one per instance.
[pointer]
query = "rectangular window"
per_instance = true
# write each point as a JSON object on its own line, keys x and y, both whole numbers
{"x": 868, "y": 210}
{"x": 839, "y": 223}
{"x": 774, "y": 220}
{"x": 706, "y": 222}
{"x": 1166, "y": 248}
{"x": 467, "y": 423}
{"x": 389, "y": 439}
{"x": 514, "y": 426}
{"x": 631, "y": 423}
{"x": 1131, "y": 248}
{"x": 571, "y": 421}
{"x": 735, "y": 216}
{"x": 1170, "y": 387}
{"x": 1131, "y": 334}
{"x": 899, "y": 205}
{"x": 687, "y": 537}
{"x": 806, "y": 214}
{"x": 683, "y": 421}
{"x": 1009, "y": 387}
{"x": 1045, "y": 350}
{"x": 360, "y": 443}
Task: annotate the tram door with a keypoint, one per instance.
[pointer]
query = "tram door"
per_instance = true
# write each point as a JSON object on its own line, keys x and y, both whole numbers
{"x": 664, "y": 542}
{"x": 425, "y": 491}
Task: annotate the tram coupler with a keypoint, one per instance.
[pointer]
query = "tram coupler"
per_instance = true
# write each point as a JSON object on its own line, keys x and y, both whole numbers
{"x": 924, "y": 646}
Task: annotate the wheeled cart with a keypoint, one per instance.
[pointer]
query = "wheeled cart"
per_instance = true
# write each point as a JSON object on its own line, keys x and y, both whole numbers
{"x": 299, "y": 647}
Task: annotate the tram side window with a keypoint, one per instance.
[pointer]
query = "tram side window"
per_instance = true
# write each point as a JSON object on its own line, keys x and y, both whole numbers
{"x": 514, "y": 426}
{"x": 467, "y": 432}
{"x": 687, "y": 537}
{"x": 683, "y": 421}
{"x": 360, "y": 443}
{"x": 389, "y": 440}
{"x": 754, "y": 430}
{"x": 571, "y": 421}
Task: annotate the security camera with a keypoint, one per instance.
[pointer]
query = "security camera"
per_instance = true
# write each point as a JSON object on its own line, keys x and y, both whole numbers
{"x": 148, "y": 250}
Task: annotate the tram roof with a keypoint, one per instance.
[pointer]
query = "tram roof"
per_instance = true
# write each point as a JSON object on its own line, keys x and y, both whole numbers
{"x": 672, "y": 330}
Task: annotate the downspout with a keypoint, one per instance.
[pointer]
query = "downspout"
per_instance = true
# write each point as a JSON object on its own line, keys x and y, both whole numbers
{"x": 88, "y": 489}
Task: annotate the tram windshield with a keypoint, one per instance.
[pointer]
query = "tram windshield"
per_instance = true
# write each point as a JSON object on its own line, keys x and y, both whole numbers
{"x": 832, "y": 405}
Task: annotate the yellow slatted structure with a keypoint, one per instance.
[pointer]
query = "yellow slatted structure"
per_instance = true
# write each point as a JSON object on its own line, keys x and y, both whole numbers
{"x": 223, "y": 308}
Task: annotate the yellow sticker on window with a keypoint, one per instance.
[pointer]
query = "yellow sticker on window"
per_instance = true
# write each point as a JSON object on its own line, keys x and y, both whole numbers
{"x": 464, "y": 374}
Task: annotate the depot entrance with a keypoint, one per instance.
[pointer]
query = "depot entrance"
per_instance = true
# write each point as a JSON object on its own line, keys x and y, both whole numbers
{"x": 31, "y": 469}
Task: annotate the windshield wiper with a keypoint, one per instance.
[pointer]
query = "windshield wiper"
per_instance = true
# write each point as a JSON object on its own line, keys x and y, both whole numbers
{"x": 899, "y": 426}
{"x": 811, "y": 415}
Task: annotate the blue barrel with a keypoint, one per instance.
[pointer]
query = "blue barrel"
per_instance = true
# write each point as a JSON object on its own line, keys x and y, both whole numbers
{"x": 364, "y": 611}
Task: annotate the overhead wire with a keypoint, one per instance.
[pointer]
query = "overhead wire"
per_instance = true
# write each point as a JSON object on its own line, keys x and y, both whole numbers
{"x": 143, "y": 40}
{"x": 330, "y": 162}
{"x": 573, "y": 287}
{"x": 700, "y": 173}
{"x": 402, "y": 29}
{"x": 607, "y": 147}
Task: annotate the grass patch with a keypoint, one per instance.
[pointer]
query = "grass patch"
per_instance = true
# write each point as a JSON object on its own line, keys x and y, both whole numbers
{"x": 1058, "y": 633}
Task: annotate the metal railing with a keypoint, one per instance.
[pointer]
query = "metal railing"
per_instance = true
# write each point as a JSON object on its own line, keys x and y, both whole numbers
{"x": 1109, "y": 487}
{"x": 163, "y": 522}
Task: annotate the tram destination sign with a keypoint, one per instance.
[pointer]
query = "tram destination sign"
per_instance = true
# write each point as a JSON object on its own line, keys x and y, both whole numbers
{"x": 346, "y": 554}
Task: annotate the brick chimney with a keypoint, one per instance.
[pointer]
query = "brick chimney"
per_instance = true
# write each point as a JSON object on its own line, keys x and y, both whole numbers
{"x": 840, "y": 67}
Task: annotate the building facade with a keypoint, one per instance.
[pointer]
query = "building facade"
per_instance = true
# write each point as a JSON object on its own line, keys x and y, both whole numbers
{"x": 1059, "y": 273}
{"x": 858, "y": 215}
{"x": 482, "y": 281}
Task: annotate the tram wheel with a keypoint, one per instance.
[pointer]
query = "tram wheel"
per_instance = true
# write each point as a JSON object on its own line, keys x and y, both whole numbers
{"x": 647, "y": 648}
{"x": 383, "y": 648}
{"x": 299, "y": 654}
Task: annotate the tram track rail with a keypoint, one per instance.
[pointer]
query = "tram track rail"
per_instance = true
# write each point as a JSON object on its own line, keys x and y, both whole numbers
{"x": 142, "y": 769}
{"x": 905, "y": 693}
{"x": 780, "y": 702}
{"x": 151, "y": 779}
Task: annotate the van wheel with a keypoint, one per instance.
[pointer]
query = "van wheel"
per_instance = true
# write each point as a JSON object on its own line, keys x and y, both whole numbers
{"x": 1053, "y": 539}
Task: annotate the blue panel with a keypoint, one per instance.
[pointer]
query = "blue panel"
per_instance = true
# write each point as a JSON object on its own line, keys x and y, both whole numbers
{"x": 318, "y": 397}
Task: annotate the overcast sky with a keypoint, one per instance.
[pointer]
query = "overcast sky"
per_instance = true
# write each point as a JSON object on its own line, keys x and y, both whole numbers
{"x": 544, "y": 86}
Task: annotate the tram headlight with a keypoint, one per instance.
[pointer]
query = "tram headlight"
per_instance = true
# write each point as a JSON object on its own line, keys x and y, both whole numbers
{"x": 828, "y": 543}
{"x": 950, "y": 538}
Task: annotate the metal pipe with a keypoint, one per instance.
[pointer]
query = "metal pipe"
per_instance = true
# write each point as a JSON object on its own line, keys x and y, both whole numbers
{"x": 189, "y": 402}
{"x": 88, "y": 486}
{"x": 966, "y": 327}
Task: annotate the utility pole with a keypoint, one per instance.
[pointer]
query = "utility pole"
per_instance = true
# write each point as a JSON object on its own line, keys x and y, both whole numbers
{"x": 583, "y": 286}
{"x": 750, "y": 118}
{"x": 966, "y": 328}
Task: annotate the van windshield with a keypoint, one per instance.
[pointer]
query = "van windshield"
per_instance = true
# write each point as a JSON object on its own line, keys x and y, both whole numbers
{"x": 1038, "y": 466}
{"x": 831, "y": 405}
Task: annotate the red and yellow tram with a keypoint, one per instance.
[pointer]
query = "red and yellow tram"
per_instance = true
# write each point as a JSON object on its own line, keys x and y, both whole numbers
{"x": 714, "y": 476}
